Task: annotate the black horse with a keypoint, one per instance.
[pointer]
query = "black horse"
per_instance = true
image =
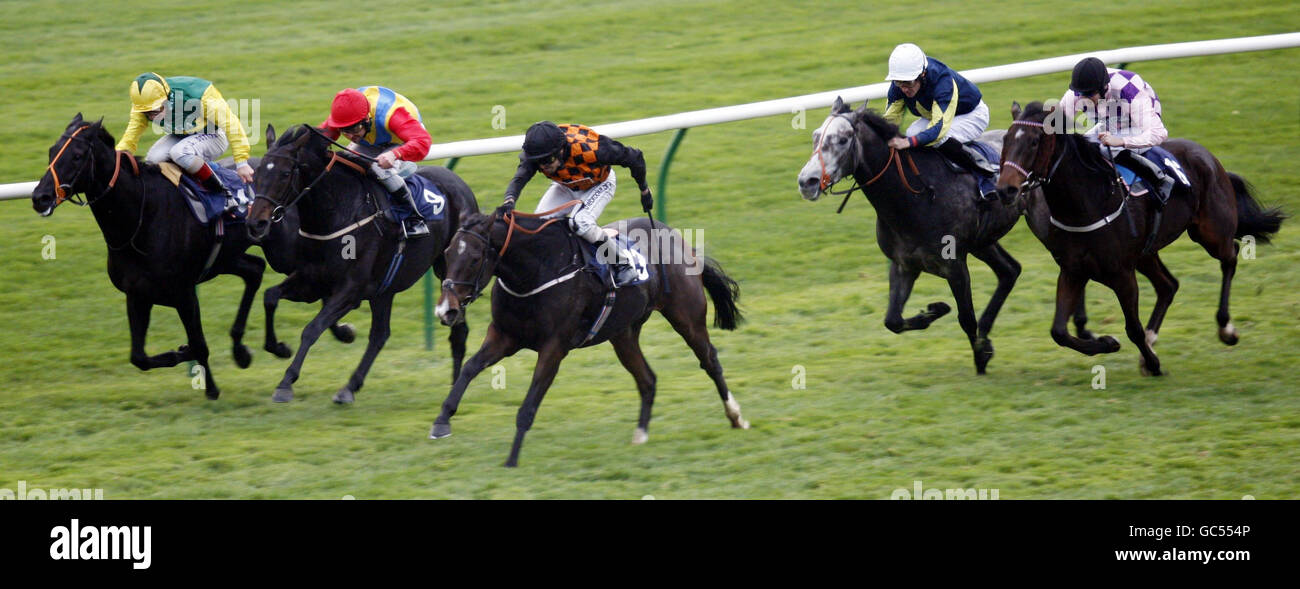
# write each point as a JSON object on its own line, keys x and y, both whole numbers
{"x": 336, "y": 198}
{"x": 1096, "y": 231}
{"x": 548, "y": 303}
{"x": 157, "y": 251}
{"x": 928, "y": 219}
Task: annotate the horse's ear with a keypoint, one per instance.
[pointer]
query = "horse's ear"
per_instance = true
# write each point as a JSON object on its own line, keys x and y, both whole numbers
{"x": 76, "y": 120}
{"x": 270, "y": 135}
{"x": 839, "y": 106}
{"x": 862, "y": 109}
{"x": 1015, "y": 110}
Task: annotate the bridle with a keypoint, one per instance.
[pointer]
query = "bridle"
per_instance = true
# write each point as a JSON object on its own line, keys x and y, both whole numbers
{"x": 62, "y": 189}
{"x": 295, "y": 179}
{"x": 1035, "y": 177}
{"x": 480, "y": 281}
{"x": 859, "y": 159}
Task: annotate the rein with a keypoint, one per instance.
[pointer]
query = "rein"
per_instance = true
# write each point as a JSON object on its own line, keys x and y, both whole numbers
{"x": 509, "y": 218}
{"x": 895, "y": 160}
{"x": 61, "y": 189}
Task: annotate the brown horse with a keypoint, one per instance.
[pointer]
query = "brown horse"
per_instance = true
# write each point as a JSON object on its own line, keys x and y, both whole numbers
{"x": 1090, "y": 241}
{"x": 552, "y": 305}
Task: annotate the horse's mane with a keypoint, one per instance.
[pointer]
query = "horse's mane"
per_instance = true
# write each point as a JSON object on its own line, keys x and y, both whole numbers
{"x": 1089, "y": 154}
{"x": 874, "y": 120}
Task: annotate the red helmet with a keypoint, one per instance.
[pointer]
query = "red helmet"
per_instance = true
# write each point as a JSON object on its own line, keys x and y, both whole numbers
{"x": 349, "y": 108}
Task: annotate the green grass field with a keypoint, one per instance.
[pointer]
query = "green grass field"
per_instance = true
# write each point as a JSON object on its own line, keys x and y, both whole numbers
{"x": 879, "y": 411}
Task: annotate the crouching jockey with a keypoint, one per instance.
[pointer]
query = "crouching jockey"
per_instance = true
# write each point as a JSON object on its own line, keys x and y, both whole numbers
{"x": 198, "y": 123}
{"x": 949, "y": 108}
{"x": 385, "y": 125}
{"x": 1129, "y": 111}
{"x": 578, "y": 160}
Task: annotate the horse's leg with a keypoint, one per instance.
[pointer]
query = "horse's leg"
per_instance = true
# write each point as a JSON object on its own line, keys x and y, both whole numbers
{"x": 1069, "y": 301}
{"x": 250, "y": 269}
{"x": 459, "y": 333}
{"x": 1007, "y": 270}
{"x": 900, "y": 289}
{"x": 1165, "y": 284}
{"x": 1126, "y": 290}
{"x": 496, "y": 345}
{"x": 294, "y": 289}
{"x": 959, "y": 282}
{"x": 548, "y": 364}
{"x": 689, "y": 319}
{"x": 334, "y": 308}
{"x": 1081, "y": 316}
{"x": 381, "y": 308}
{"x": 138, "y": 311}
{"x": 628, "y": 348}
{"x": 1219, "y": 243}
{"x": 188, "y": 310}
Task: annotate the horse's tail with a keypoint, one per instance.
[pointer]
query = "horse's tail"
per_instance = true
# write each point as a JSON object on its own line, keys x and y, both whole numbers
{"x": 725, "y": 292}
{"x": 1253, "y": 219}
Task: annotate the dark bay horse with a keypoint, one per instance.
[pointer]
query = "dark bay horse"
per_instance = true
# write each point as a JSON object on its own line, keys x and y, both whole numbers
{"x": 1096, "y": 231}
{"x": 336, "y": 199}
{"x": 927, "y": 219}
{"x": 551, "y": 305}
{"x": 157, "y": 250}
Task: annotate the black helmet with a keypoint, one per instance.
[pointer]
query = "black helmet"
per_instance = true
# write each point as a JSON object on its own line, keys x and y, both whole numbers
{"x": 1090, "y": 76}
{"x": 543, "y": 140}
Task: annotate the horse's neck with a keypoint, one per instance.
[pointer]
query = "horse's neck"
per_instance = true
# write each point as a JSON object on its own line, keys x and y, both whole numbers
{"x": 533, "y": 259}
{"x": 336, "y": 201}
{"x": 1077, "y": 195}
{"x": 119, "y": 210}
{"x": 888, "y": 195}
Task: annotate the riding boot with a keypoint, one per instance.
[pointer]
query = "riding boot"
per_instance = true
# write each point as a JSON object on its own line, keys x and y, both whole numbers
{"x": 622, "y": 270}
{"x": 955, "y": 151}
{"x": 211, "y": 182}
{"x": 1162, "y": 186}
{"x": 414, "y": 225}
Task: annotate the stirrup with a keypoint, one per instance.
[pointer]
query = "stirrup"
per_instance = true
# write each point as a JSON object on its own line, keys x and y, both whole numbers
{"x": 414, "y": 227}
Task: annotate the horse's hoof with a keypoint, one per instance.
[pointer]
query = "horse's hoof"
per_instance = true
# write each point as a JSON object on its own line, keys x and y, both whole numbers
{"x": 344, "y": 397}
{"x": 639, "y": 437}
{"x": 937, "y": 310}
{"x": 242, "y": 357}
{"x": 983, "y": 353}
{"x": 1142, "y": 365}
{"x": 282, "y": 395}
{"x": 440, "y": 431}
{"x": 344, "y": 333}
{"x": 1109, "y": 344}
{"x": 1228, "y": 334}
{"x": 279, "y": 350}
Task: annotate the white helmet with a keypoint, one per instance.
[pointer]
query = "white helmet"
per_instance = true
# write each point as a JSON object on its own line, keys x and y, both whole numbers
{"x": 906, "y": 63}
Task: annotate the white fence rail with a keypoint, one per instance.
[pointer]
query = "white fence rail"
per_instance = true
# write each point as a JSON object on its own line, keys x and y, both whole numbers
{"x": 787, "y": 106}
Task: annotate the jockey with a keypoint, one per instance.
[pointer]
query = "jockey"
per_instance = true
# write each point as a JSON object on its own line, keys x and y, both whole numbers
{"x": 198, "y": 123}
{"x": 385, "y": 125}
{"x": 578, "y": 160}
{"x": 1129, "y": 111}
{"x": 950, "y": 109}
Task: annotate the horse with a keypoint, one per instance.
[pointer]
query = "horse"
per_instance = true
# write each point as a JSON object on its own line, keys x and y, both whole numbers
{"x": 1083, "y": 200}
{"x": 928, "y": 222}
{"x": 157, "y": 251}
{"x": 543, "y": 300}
{"x": 337, "y": 198}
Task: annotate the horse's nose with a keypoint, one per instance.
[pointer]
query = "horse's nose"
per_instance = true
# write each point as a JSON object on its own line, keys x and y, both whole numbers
{"x": 449, "y": 317}
{"x": 808, "y": 182}
{"x": 1008, "y": 193}
{"x": 257, "y": 228}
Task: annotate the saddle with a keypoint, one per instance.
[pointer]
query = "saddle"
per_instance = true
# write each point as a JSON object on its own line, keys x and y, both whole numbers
{"x": 986, "y": 159}
{"x": 600, "y": 263}
{"x": 1161, "y": 157}
{"x": 206, "y": 205}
